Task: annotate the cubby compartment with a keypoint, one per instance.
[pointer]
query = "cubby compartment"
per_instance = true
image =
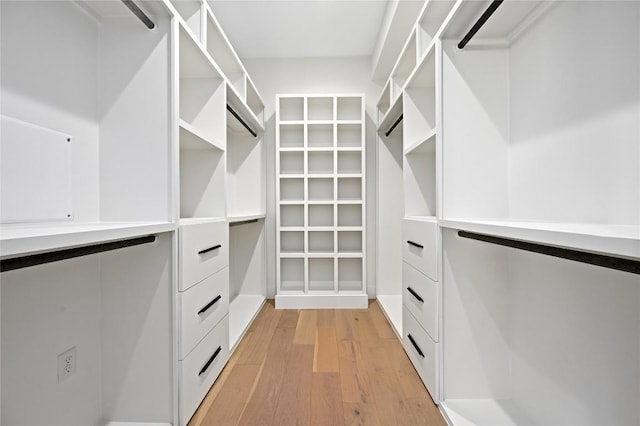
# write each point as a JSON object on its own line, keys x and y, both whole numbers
{"x": 350, "y": 135}
{"x": 291, "y": 163}
{"x": 320, "y": 162}
{"x": 291, "y": 108}
{"x": 320, "y": 241}
{"x": 291, "y": 135}
{"x": 254, "y": 101}
{"x": 320, "y": 215}
{"x": 220, "y": 49}
{"x": 320, "y": 189}
{"x": 403, "y": 68}
{"x": 291, "y": 215}
{"x": 349, "y": 214}
{"x": 245, "y": 180}
{"x": 349, "y": 241}
{"x": 350, "y": 274}
{"x": 321, "y": 274}
{"x": 349, "y": 108}
{"x": 292, "y": 274}
{"x": 191, "y": 13}
{"x": 202, "y": 183}
{"x": 419, "y": 175}
{"x": 349, "y": 189}
{"x": 320, "y": 135}
{"x": 419, "y": 103}
{"x": 385, "y": 101}
{"x": 507, "y": 111}
{"x": 319, "y": 108}
{"x": 292, "y": 189}
{"x": 292, "y": 242}
{"x": 432, "y": 17}
{"x": 349, "y": 162}
{"x": 524, "y": 330}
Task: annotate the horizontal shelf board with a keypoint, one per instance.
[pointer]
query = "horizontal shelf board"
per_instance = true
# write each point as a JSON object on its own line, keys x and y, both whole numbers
{"x": 349, "y": 228}
{"x": 391, "y": 305}
{"x": 616, "y": 240}
{"x": 292, "y": 149}
{"x": 312, "y": 228}
{"x": 430, "y": 219}
{"x": 391, "y": 115}
{"x": 423, "y": 145}
{"x": 349, "y": 202}
{"x": 320, "y": 149}
{"x": 346, "y": 254}
{"x": 199, "y": 220}
{"x": 292, "y": 254}
{"x": 320, "y": 202}
{"x": 292, "y": 228}
{"x": 349, "y": 175}
{"x": 321, "y": 175}
{"x": 321, "y": 254}
{"x": 245, "y": 217}
{"x": 242, "y": 310}
{"x": 424, "y": 74}
{"x": 243, "y": 110}
{"x": 320, "y": 121}
{"x": 292, "y": 203}
{"x": 322, "y": 300}
{"x": 291, "y": 122}
{"x": 349, "y": 121}
{"x": 192, "y": 138}
{"x": 292, "y": 175}
{"x": 482, "y": 412}
{"x": 21, "y": 239}
{"x": 349, "y": 149}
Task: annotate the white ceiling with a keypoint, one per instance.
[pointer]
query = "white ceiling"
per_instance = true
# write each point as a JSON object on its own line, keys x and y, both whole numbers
{"x": 301, "y": 28}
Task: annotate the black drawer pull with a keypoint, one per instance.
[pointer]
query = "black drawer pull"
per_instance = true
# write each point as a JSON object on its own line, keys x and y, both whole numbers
{"x": 415, "y": 345}
{"x": 207, "y": 250}
{"x": 415, "y": 244}
{"x": 208, "y": 305}
{"x": 206, "y": 366}
{"x": 414, "y": 294}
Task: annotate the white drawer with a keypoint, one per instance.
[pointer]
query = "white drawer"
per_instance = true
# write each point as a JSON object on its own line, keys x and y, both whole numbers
{"x": 420, "y": 246}
{"x": 201, "y": 308}
{"x": 420, "y": 296}
{"x": 201, "y": 367}
{"x": 422, "y": 352}
{"x": 204, "y": 249}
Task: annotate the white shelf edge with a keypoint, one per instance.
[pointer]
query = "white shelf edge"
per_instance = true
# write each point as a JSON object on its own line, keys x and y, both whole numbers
{"x": 291, "y": 122}
{"x": 22, "y": 239}
{"x": 391, "y": 115}
{"x": 430, "y": 219}
{"x": 616, "y": 240}
{"x": 322, "y": 301}
{"x": 243, "y": 218}
{"x": 206, "y": 142}
{"x": 198, "y": 220}
{"x": 427, "y": 55}
{"x": 242, "y": 109}
{"x": 420, "y": 145}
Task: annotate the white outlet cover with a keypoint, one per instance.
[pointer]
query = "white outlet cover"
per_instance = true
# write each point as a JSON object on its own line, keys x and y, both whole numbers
{"x": 67, "y": 364}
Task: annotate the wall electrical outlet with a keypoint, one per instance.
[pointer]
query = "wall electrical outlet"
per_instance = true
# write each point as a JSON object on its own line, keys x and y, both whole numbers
{"x": 67, "y": 364}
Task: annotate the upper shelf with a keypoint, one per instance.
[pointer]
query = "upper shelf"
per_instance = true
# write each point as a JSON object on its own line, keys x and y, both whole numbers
{"x": 505, "y": 25}
{"x": 393, "y": 113}
{"x": 28, "y": 238}
{"x": 616, "y": 240}
{"x": 244, "y": 111}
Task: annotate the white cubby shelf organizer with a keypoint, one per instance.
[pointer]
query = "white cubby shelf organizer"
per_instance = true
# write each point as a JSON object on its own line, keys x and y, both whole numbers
{"x": 320, "y": 190}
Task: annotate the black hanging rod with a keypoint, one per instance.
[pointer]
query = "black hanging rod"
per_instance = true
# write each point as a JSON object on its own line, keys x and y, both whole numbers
{"x": 246, "y": 126}
{"x": 611, "y": 262}
{"x": 243, "y": 222}
{"x": 70, "y": 253}
{"x": 139, "y": 13}
{"x": 394, "y": 125}
{"x": 479, "y": 23}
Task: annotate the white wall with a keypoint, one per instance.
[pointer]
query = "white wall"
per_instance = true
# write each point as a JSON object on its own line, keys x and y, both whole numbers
{"x": 311, "y": 76}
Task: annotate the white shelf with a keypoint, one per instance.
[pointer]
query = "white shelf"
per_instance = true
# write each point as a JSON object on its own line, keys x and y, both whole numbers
{"x": 243, "y": 110}
{"x": 20, "y": 239}
{"x": 424, "y": 145}
{"x": 242, "y": 311}
{"x": 391, "y": 305}
{"x": 194, "y": 61}
{"x": 617, "y": 240}
{"x": 192, "y": 138}
{"x": 489, "y": 412}
{"x": 391, "y": 115}
{"x": 200, "y": 220}
{"x": 245, "y": 217}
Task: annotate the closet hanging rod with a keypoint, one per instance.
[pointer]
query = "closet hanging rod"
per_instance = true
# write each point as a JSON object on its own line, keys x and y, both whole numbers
{"x": 611, "y": 262}
{"x": 139, "y": 13}
{"x": 394, "y": 125}
{"x": 479, "y": 23}
{"x": 70, "y": 253}
{"x": 246, "y": 126}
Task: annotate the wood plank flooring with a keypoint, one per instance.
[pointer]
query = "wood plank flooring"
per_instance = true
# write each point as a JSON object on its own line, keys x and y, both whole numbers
{"x": 318, "y": 367}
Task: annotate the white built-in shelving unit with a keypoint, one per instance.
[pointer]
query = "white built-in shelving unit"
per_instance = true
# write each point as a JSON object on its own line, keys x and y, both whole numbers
{"x": 321, "y": 210}
{"x": 530, "y": 155}
{"x": 146, "y": 190}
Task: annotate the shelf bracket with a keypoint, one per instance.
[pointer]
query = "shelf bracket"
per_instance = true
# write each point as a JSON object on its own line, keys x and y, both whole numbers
{"x": 64, "y": 254}
{"x": 611, "y": 262}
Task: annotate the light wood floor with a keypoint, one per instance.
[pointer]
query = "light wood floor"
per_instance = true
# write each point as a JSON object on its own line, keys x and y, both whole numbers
{"x": 318, "y": 367}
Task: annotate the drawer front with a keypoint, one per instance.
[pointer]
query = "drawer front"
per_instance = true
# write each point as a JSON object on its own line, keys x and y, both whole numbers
{"x": 420, "y": 296}
{"x": 200, "y": 369}
{"x": 422, "y": 352}
{"x": 420, "y": 246}
{"x": 201, "y": 308}
{"x": 204, "y": 249}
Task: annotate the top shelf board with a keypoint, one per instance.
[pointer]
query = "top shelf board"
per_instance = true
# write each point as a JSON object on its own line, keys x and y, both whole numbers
{"x": 195, "y": 62}
{"x": 394, "y": 112}
{"x": 242, "y": 109}
{"x": 509, "y": 20}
